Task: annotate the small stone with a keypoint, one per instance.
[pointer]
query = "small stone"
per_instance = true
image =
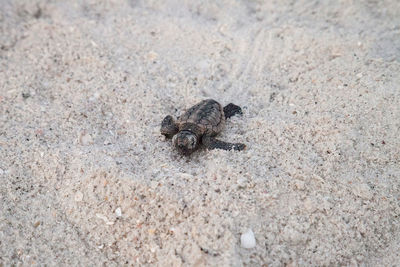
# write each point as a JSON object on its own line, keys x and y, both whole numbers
{"x": 241, "y": 182}
{"x": 118, "y": 212}
{"x": 151, "y": 56}
{"x": 248, "y": 240}
{"x": 359, "y": 75}
{"x": 26, "y": 95}
{"x": 1, "y": 171}
{"x": 85, "y": 139}
{"x": 78, "y": 196}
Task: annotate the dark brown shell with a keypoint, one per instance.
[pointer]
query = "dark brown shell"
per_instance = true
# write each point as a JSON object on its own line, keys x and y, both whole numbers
{"x": 207, "y": 116}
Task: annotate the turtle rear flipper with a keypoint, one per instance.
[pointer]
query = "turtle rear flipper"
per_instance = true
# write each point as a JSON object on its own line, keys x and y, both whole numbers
{"x": 213, "y": 143}
{"x": 168, "y": 127}
{"x": 231, "y": 110}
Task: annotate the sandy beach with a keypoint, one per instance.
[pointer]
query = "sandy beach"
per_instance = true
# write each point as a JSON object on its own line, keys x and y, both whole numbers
{"x": 86, "y": 178}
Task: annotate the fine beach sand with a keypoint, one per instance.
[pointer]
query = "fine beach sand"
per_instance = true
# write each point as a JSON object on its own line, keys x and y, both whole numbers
{"x": 86, "y": 178}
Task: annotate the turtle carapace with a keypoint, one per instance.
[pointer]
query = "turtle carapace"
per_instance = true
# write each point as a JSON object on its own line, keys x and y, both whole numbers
{"x": 199, "y": 125}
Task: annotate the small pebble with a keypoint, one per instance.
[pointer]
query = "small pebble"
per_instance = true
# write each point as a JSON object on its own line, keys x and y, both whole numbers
{"x": 26, "y": 95}
{"x": 241, "y": 182}
{"x": 118, "y": 212}
{"x": 248, "y": 240}
{"x": 152, "y": 56}
{"x": 78, "y": 196}
{"x": 85, "y": 139}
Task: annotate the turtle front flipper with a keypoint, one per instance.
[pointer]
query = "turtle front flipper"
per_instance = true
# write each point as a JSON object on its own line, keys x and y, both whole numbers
{"x": 168, "y": 127}
{"x": 231, "y": 110}
{"x": 213, "y": 143}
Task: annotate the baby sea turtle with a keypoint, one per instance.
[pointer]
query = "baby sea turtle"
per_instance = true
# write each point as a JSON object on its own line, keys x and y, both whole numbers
{"x": 200, "y": 124}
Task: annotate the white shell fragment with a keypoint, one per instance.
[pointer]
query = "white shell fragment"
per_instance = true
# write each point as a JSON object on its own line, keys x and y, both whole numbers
{"x": 248, "y": 240}
{"x": 118, "y": 212}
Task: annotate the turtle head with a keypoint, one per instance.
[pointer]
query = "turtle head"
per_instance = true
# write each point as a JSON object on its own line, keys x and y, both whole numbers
{"x": 185, "y": 142}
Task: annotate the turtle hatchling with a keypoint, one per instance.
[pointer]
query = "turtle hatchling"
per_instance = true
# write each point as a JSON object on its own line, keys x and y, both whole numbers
{"x": 199, "y": 125}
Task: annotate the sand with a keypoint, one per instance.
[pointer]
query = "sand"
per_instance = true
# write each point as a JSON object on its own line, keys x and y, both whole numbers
{"x": 87, "y": 179}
